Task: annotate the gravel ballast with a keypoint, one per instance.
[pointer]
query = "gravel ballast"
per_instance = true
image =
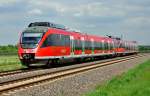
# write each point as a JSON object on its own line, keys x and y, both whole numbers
{"x": 79, "y": 84}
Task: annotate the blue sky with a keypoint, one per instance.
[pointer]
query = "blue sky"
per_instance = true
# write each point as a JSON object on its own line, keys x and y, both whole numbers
{"x": 129, "y": 18}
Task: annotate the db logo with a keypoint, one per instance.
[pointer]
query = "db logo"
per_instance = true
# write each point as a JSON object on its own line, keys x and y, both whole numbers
{"x": 63, "y": 51}
{"x": 26, "y": 51}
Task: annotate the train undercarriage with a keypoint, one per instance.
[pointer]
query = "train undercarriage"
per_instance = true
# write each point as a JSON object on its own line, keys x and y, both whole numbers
{"x": 30, "y": 61}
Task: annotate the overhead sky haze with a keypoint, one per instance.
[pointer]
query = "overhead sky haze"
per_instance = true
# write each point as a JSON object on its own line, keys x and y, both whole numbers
{"x": 129, "y": 18}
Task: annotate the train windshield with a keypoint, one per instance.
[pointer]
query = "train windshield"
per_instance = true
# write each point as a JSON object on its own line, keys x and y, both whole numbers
{"x": 30, "y": 40}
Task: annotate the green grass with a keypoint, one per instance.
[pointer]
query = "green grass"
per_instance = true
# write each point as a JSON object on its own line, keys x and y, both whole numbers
{"x": 9, "y": 62}
{"x": 135, "y": 82}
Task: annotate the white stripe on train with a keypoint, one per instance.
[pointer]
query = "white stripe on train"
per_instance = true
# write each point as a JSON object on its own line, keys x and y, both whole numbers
{"x": 75, "y": 56}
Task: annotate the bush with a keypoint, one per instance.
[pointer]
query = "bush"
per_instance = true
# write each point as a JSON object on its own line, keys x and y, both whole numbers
{"x": 8, "y": 50}
{"x": 143, "y": 48}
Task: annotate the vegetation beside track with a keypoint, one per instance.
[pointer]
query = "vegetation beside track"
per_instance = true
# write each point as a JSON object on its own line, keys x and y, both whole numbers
{"x": 9, "y": 59}
{"x": 133, "y": 83}
{"x": 145, "y": 48}
{"x": 8, "y": 50}
{"x": 9, "y": 62}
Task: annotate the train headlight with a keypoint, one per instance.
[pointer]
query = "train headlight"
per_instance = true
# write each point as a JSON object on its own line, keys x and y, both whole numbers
{"x": 26, "y": 56}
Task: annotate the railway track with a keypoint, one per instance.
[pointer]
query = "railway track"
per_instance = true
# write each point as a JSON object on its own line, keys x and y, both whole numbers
{"x": 13, "y": 72}
{"x": 12, "y": 86}
{"x": 25, "y": 70}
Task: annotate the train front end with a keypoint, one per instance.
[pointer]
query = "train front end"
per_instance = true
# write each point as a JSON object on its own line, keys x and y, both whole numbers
{"x": 29, "y": 44}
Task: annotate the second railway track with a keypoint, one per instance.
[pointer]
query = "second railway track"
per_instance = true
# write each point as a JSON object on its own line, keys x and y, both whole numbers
{"x": 13, "y": 85}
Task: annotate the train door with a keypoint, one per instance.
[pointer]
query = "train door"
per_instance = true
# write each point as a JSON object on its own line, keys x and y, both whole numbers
{"x": 108, "y": 44}
{"x": 83, "y": 45}
{"x": 72, "y": 45}
{"x": 103, "y": 46}
{"x": 113, "y": 47}
{"x": 92, "y": 45}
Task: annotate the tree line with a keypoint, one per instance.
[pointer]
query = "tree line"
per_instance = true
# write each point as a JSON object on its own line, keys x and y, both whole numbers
{"x": 12, "y": 49}
{"x": 8, "y": 50}
{"x": 144, "y": 48}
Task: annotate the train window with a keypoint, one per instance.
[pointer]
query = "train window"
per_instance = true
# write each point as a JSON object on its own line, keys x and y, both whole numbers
{"x": 39, "y": 24}
{"x": 103, "y": 47}
{"x": 56, "y": 40}
{"x": 100, "y": 46}
{"x": 106, "y": 46}
{"x": 67, "y": 40}
{"x": 97, "y": 45}
{"x": 47, "y": 24}
{"x": 78, "y": 44}
{"x": 88, "y": 45}
{"x": 111, "y": 46}
{"x": 115, "y": 44}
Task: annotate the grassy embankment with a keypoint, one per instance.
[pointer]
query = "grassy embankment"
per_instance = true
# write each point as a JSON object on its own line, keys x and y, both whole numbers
{"x": 135, "y": 82}
{"x": 9, "y": 62}
{"x": 9, "y": 59}
{"x": 8, "y": 50}
{"x": 145, "y": 49}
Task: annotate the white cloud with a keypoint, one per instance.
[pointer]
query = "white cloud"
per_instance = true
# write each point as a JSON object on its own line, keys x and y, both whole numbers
{"x": 136, "y": 22}
{"x": 8, "y": 2}
{"x": 91, "y": 9}
{"x": 77, "y": 14}
{"x": 100, "y": 9}
{"x": 35, "y": 12}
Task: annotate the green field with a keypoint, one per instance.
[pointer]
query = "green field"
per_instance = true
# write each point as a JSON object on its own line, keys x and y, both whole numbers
{"x": 8, "y": 50}
{"x": 9, "y": 62}
{"x": 135, "y": 82}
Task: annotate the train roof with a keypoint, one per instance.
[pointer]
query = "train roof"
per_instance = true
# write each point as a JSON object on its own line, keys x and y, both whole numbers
{"x": 36, "y": 29}
{"x": 47, "y": 24}
{"x": 44, "y": 26}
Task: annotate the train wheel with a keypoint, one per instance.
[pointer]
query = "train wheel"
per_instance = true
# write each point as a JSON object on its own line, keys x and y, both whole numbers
{"x": 49, "y": 63}
{"x": 78, "y": 60}
{"x": 26, "y": 63}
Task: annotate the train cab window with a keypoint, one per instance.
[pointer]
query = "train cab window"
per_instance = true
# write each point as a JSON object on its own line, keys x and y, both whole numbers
{"x": 56, "y": 40}
{"x": 30, "y": 40}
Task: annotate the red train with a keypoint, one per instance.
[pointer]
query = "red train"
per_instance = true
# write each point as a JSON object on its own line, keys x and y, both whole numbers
{"x": 50, "y": 43}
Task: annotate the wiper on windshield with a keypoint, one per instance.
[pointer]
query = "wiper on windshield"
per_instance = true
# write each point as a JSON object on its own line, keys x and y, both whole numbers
{"x": 29, "y": 42}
